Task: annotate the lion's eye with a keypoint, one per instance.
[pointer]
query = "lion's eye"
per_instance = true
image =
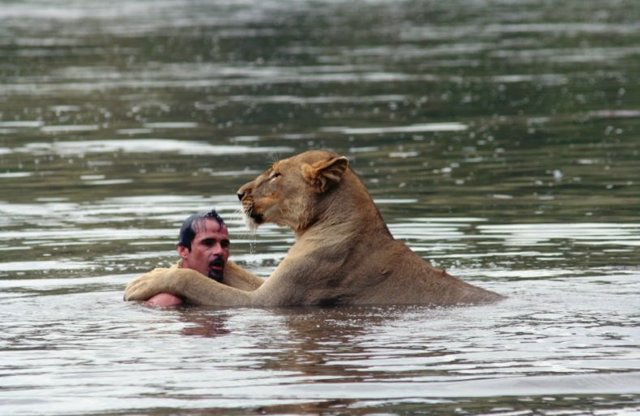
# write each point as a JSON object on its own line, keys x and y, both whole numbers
{"x": 274, "y": 175}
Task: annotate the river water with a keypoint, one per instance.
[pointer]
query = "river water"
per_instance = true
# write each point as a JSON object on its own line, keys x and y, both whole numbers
{"x": 500, "y": 140}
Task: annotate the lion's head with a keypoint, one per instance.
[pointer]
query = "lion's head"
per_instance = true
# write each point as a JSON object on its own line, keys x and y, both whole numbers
{"x": 290, "y": 191}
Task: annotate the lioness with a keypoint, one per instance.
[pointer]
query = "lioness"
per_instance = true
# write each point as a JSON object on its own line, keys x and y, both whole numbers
{"x": 344, "y": 253}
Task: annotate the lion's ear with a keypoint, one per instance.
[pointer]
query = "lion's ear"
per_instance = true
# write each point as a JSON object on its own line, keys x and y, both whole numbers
{"x": 326, "y": 173}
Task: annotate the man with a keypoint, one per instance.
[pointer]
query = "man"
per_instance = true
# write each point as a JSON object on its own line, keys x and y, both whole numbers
{"x": 203, "y": 246}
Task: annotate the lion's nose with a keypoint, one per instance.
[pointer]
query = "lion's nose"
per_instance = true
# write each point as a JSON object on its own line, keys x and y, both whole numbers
{"x": 243, "y": 191}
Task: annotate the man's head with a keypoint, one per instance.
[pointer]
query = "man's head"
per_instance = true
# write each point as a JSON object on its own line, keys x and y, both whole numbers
{"x": 204, "y": 244}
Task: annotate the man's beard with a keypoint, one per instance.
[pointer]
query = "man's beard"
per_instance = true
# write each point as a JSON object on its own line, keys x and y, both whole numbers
{"x": 216, "y": 269}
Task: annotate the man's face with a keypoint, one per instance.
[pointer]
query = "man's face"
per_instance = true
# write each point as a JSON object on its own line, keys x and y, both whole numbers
{"x": 209, "y": 249}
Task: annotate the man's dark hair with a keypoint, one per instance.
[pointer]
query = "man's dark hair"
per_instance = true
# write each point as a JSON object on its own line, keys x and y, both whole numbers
{"x": 190, "y": 226}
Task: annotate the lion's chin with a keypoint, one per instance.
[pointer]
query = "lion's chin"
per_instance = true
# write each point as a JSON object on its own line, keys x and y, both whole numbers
{"x": 253, "y": 220}
{"x": 253, "y": 226}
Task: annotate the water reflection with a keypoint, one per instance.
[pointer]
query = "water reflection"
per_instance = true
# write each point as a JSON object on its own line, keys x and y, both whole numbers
{"x": 359, "y": 357}
{"x": 180, "y": 147}
{"x": 499, "y": 139}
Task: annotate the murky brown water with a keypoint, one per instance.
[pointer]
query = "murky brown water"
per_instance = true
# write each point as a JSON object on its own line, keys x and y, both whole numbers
{"x": 500, "y": 140}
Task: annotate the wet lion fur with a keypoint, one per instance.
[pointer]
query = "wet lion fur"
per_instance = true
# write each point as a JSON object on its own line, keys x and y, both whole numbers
{"x": 343, "y": 253}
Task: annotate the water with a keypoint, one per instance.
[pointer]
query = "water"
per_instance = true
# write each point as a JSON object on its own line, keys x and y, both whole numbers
{"x": 499, "y": 139}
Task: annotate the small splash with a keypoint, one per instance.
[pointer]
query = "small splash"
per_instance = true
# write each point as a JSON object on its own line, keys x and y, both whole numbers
{"x": 557, "y": 175}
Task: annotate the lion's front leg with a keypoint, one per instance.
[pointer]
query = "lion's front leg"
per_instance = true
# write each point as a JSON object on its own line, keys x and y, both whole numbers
{"x": 160, "y": 280}
{"x": 236, "y": 276}
{"x": 190, "y": 285}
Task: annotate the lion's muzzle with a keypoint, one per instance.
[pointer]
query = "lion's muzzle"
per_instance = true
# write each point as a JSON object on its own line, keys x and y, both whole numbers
{"x": 246, "y": 200}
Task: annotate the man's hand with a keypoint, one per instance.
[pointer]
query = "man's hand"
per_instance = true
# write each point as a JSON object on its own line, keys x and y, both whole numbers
{"x": 165, "y": 300}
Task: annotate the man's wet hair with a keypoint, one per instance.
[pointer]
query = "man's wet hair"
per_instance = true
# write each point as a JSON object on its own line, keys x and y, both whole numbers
{"x": 190, "y": 226}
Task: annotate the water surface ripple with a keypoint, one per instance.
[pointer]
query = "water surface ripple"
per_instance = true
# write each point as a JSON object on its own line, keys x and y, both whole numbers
{"x": 499, "y": 139}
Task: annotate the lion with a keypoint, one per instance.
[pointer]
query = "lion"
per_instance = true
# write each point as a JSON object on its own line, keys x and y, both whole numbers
{"x": 343, "y": 253}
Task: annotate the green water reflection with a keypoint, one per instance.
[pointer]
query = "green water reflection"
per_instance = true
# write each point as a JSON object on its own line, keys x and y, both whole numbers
{"x": 548, "y": 97}
{"x": 500, "y": 138}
